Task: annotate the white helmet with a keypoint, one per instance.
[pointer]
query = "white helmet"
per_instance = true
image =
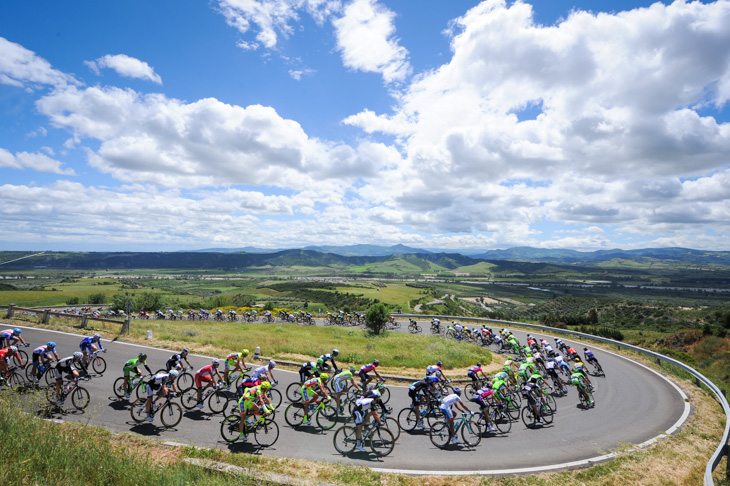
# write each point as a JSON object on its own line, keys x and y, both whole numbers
{"x": 272, "y": 364}
{"x": 174, "y": 373}
{"x": 78, "y": 355}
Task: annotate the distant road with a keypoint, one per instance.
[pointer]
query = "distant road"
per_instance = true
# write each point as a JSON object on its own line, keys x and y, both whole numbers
{"x": 634, "y": 405}
{"x": 23, "y": 258}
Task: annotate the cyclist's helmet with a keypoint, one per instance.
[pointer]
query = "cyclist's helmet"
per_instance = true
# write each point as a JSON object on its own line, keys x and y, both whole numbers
{"x": 14, "y": 349}
{"x": 142, "y": 356}
{"x": 324, "y": 377}
{"x": 265, "y": 385}
{"x": 375, "y": 394}
{"x": 97, "y": 336}
{"x": 479, "y": 363}
{"x": 78, "y": 355}
{"x": 439, "y": 363}
{"x": 320, "y": 361}
{"x": 17, "y": 331}
{"x": 352, "y": 369}
{"x": 215, "y": 362}
{"x": 376, "y": 362}
{"x": 585, "y": 349}
{"x": 174, "y": 373}
{"x": 51, "y": 345}
{"x": 272, "y": 364}
{"x": 555, "y": 339}
{"x": 245, "y": 352}
{"x": 335, "y": 352}
{"x": 457, "y": 391}
{"x": 184, "y": 351}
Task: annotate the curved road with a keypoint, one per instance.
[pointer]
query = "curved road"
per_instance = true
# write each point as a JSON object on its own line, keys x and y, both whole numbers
{"x": 633, "y": 405}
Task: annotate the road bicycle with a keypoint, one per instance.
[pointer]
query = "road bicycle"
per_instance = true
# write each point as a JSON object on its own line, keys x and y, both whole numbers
{"x": 265, "y": 429}
{"x": 414, "y": 328}
{"x": 44, "y": 369}
{"x": 586, "y": 397}
{"x": 12, "y": 378}
{"x": 597, "y": 368}
{"x": 80, "y": 397}
{"x": 498, "y": 417}
{"x": 216, "y": 397}
{"x": 512, "y": 402}
{"x": 136, "y": 385}
{"x": 272, "y": 394}
{"x": 471, "y": 431}
{"x": 380, "y": 440}
{"x": 385, "y": 417}
{"x": 96, "y": 363}
{"x": 170, "y": 412}
{"x": 471, "y": 389}
{"x": 435, "y": 328}
{"x": 545, "y": 413}
{"x": 324, "y": 414}
{"x": 410, "y": 417}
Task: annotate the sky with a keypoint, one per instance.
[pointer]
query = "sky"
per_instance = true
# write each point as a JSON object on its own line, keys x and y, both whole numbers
{"x": 437, "y": 124}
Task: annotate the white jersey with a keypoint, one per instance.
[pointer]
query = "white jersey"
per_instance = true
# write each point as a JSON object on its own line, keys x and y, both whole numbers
{"x": 261, "y": 370}
{"x": 450, "y": 400}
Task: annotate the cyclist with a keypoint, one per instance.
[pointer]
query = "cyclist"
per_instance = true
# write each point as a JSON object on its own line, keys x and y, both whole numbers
{"x": 500, "y": 387}
{"x": 307, "y": 370}
{"x": 331, "y": 358}
{"x": 210, "y": 375}
{"x": 446, "y": 403}
{"x": 562, "y": 365}
{"x": 66, "y": 365}
{"x": 88, "y": 345}
{"x": 591, "y": 358}
{"x": 10, "y": 337}
{"x": 240, "y": 364}
{"x": 551, "y": 371}
{"x": 415, "y": 390}
{"x": 309, "y": 393}
{"x": 160, "y": 381}
{"x": 577, "y": 379}
{"x": 581, "y": 368}
{"x": 459, "y": 329}
{"x": 473, "y": 373}
{"x": 526, "y": 369}
{"x": 133, "y": 366}
{"x": 248, "y": 405}
{"x": 485, "y": 397}
{"x": 572, "y": 354}
{"x": 364, "y": 409}
{"x": 436, "y": 323}
{"x": 365, "y": 369}
{"x": 528, "y": 391}
{"x": 266, "y": 372}
{"x": 175, "y": 361}
{"x": 341, "y": 385}
{"x": 5, "y": 355}
{"x": 43, "y": 355}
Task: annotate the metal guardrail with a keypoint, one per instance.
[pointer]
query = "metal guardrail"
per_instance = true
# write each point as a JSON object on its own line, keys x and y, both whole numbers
{"x": 46, "y": 313}
{"x": 723, "y": 450}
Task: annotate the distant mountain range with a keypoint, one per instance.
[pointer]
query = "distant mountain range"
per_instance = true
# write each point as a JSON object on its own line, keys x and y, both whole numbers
{"x": 341, "y": 257}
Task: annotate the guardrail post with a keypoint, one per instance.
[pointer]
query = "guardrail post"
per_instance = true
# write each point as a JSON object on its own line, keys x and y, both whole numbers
{"x": 125, "y": 326}
{"x": 84, "y": 320}
{"x": 46, "y": 316}
{"x": 11, "y": 310}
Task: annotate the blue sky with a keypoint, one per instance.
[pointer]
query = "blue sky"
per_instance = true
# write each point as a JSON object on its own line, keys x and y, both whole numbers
{"x": 164, "y": 126}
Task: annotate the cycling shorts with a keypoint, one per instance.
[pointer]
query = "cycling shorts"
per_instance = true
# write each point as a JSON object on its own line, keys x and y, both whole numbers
{"x": 128, "y": 371}
{"x": 245, "y": 405}
{"x": 59, "y": 375}
{"x": 552, "y": 373}
{"x": 228, "y": 363}
{"x": 340, "y": 385}
{"x": 363, "y": 375}
{"x": 152, "y": 388}
{"x": 481, "y": 402}
{"x": 448, "y": 413}
{"x": 200, "y": 379}
{"x": 308, "y": 393}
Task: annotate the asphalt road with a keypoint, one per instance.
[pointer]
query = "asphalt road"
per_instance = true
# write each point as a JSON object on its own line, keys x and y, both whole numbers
{"x": 633, "y": 405}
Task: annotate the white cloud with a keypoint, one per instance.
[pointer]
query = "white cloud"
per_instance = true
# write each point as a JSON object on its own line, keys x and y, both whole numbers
{"x": 365, "y": 37}
{"x": 35, "y": 161}
{"x": 126, "y": 66}
{"x": 297, "y": 74}
{"x": 22, "y": 68}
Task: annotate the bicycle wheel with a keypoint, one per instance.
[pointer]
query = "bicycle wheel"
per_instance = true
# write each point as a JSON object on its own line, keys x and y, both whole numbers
{"x": 189, "y": 398}
{"x": 171, "y": 415}
{"x": 433, "y": 416}
{"x": 267, "y": 433}
{"x": 119, "y": 389}
{"x": 294, "y": 414}
{"x": 546, "y": 413}
{"x": 98, "y": 364}
{"x": 471, "y": 432}
{"x": 51, "y": 395}
{"x": 407, "y": 419}
{"x": 327, "y": 417}
{"x": 23, "y": 356}
{"x": 140, "y": 390}
{"x": 439, "y": 435}
{"x": 382, "y": 441}
{"x": 137, "y": 411}
{"x": 392, "y": 425}
{"x": 217, "y": 401}
{"x": 274, "y": 396}
{"x": 345, "y": 439}
{"x": 15, "y": 380}
{"x": 30, "y": 372}
{"x": 80, "y": 398}
{"x": 185, "y": 380}
{"x": 385, "y": 395}
{"x": 550, "y": 401}
{"x": 294, "y": 392}
{"x": 500, "y": 420}
{"x": 49, "y": 376}
{"x": 469, "y": 391}
{"x": 229, "y": 428}
{"x": 528, "y": 417}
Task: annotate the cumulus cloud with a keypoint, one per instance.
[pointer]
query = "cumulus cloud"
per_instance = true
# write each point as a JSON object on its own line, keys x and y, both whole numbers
{"x": 23, "y": 68}
{"x": 367, "y": 42}
{"x": 152, "y": 138}
{"x": 34, "y": 161}
{"x": 297, "y": 74}
{"x": 126, "y": 66}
